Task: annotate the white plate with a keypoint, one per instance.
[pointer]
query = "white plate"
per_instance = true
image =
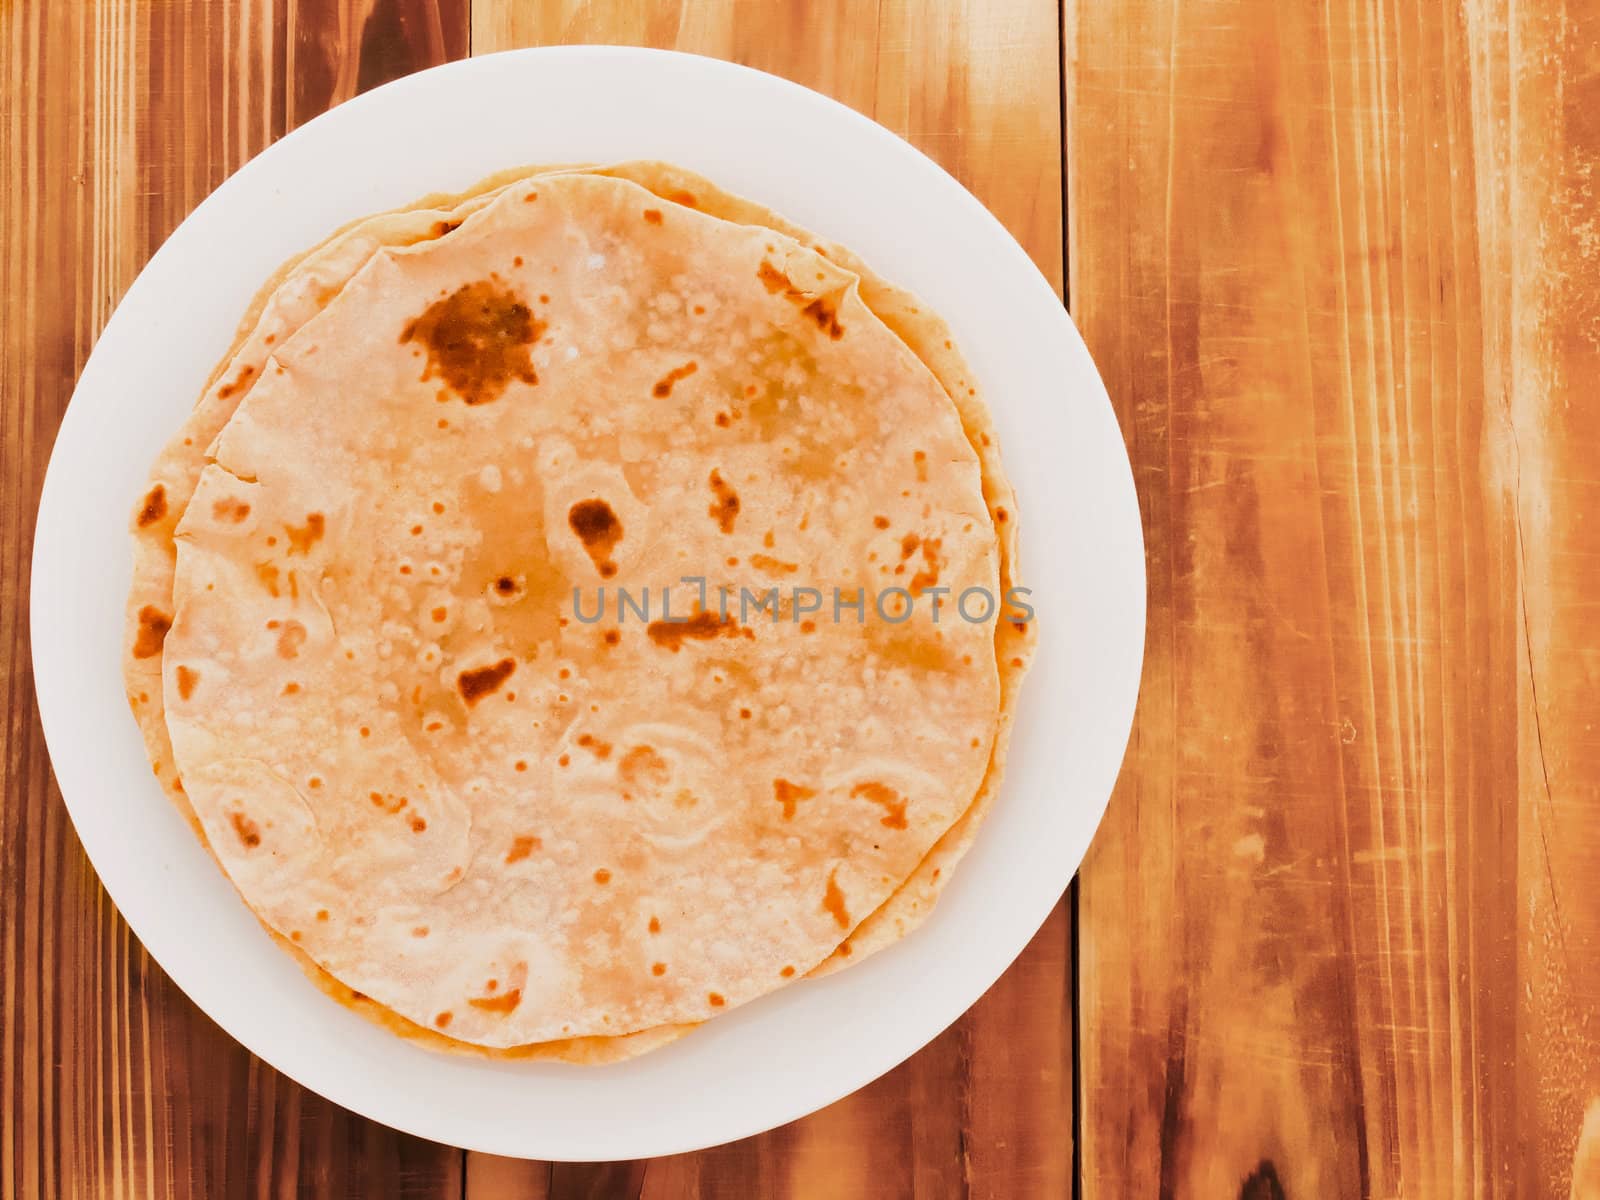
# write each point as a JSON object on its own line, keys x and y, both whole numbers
{"x": 832, "y": 171}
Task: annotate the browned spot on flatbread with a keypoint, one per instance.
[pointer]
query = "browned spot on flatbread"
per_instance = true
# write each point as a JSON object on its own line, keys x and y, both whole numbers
{"x": 920, "y": 461}
{"x": 702, "y": 627}
{"x": 921, "y": 653}
{"x": 822, "y": 311}
{"x": 240, "y": 381}
{"x": 153, "y": 507}
{"x": 776, "y": 281}
{"x": 908, "y": 545}
{"x": 230, "y": 510}
{"x": 523, "y": 846}
{"x": 440, "y": 228}
{"x": 442, "y": 1020}
{"x": 249, "y": 832}
{"x": 773, "y": 566}
{"x": 725, "y": 508}
{"x": 502, "y": 1004}
{"x": 687, "y": 199}
{"x": 789, "y": 794}
{"x": 187, "y": 678}
{"x": 389, "y": 802}
{"x": 153, "y": 626}
{"x": 599, "y": 530}
{"x": 929, "y": 575}
{"x": 303, "y": 537}
{"x": 891, "y": 801}
{"x": 652, "y": 216}
{"x": 663, "y": 387}
{"x": 642, "y": 766}
{"x": 600, "y": 749}
{"x": 267, "y": 576}
{"x": 476, "y": 684}
{"x": 290, "y": 638}
{"x": 477, "y": 340}
{"x": 833, "y": 901}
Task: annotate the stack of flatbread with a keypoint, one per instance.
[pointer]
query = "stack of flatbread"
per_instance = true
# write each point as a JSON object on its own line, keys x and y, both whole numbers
{"x": 548, "y": 616}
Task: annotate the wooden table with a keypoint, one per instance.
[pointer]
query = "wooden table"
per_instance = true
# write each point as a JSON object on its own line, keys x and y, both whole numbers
{"x": 1339, "y": 262}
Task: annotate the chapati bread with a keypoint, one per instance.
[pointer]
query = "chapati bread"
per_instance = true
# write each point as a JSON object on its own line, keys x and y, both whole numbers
{"x": 536, "y": 941}
{"x": 301, "y": 288}
{"x": 930, "y": 339}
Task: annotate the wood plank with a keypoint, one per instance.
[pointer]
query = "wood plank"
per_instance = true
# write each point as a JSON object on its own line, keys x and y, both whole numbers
{"x": 1553, "y": 153}
{"x": 973, "y": 85}
{"x": 985, "y": 1110}
{"x": 117, "y": 117}
{"x": 1337, "y": 263}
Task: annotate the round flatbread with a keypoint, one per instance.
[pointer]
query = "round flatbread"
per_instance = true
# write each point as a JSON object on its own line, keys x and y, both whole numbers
{"x": 800, "y": 398}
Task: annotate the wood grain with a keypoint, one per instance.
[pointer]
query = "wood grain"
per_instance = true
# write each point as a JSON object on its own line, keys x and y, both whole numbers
{"x": 1338, "y": 263}
{"x": 118, "y": 116}
{"x": 987, "y": 1109}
